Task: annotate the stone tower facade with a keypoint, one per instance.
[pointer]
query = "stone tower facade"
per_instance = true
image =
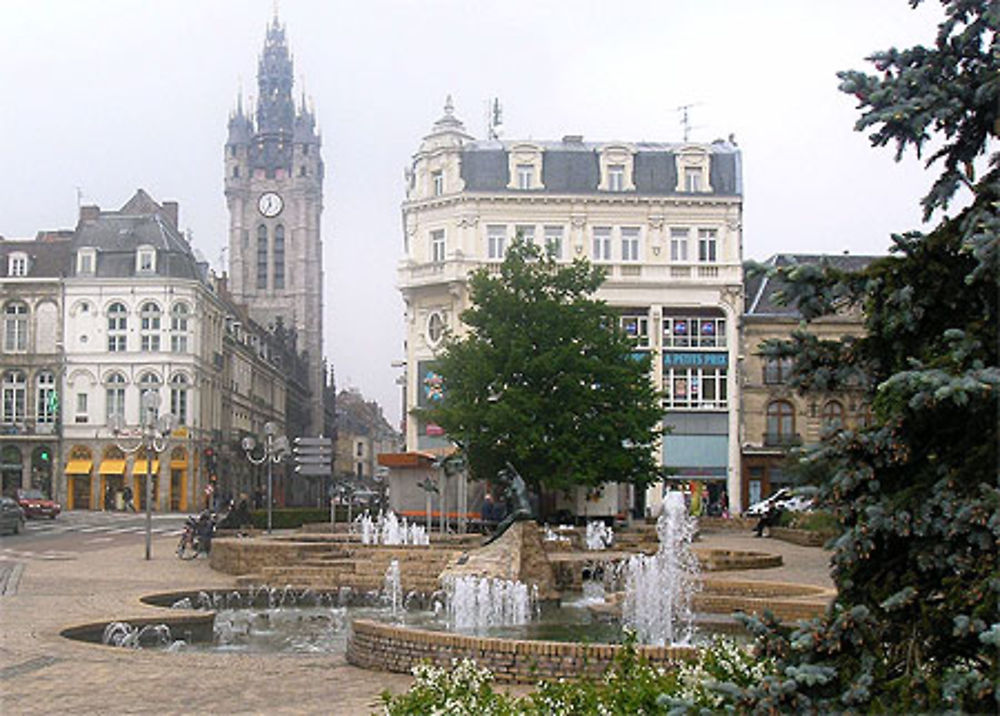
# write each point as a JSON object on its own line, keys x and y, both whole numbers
{"x": 274, "y": 190}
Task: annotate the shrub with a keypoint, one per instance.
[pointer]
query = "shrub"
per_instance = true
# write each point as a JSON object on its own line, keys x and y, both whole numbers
{"x": 463, "y": 690}
{"x": 631, "y": 685}
{"x": 292, "y": 517}
{"x": 815, "y": 521}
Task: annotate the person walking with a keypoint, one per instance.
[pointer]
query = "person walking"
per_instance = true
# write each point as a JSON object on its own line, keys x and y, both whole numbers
{"x": 127, "y": 497}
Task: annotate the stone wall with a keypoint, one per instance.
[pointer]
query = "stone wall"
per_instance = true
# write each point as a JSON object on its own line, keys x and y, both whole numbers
{"x": 517, "y": 555}
{"x": 326, "y": 564}
{"x": 785, "y": 600}
{"x": 246, "y": 556}
{"x": 373, "y": 645}
{"x": 803, "y": 538}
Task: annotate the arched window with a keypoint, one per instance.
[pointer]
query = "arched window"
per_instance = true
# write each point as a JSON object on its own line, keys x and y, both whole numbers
{"x": 262, "y": 257}
{"x": 833, "y": 415}
{"x": 179, "y": 315}
{"x": 149, "y": 322}
{"x": 178, "y": 397}
{"x": 14, "y": 397}
{"x": 149, "y": 383}
{"x": 46, "y": 402}
{"x": 780, "y": 423}
{"x": 117, "y": 327}
{"x": 15, "y": 327}
{"x": 279, "y": 256}
{"x": 114, "y": 395}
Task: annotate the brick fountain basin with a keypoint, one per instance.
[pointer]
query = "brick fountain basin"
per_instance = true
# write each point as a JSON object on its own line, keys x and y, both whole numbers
{"x": 371, "y": 637}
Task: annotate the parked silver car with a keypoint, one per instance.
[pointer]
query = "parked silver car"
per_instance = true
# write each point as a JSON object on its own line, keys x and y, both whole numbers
{"x": 11, "y": 516}
{"x": 783, "y": 499}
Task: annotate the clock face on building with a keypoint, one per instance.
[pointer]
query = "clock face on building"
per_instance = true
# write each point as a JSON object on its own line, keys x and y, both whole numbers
{"x": 270, "y": 204}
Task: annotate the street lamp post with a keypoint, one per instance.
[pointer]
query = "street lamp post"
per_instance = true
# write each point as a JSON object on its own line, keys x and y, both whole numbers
{"x": 153, "y": 434}
{"x": 428, "y": 486}
{"x": 275, "y": 449}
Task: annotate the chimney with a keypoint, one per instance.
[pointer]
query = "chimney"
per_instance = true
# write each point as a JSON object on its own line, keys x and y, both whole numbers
{"x": 171, "y": 212}
{"x": 573, "y": 139}
{"x": 90, "y": 212}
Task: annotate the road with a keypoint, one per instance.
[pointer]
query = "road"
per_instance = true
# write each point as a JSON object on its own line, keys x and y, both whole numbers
{"x": 84, "y": 531}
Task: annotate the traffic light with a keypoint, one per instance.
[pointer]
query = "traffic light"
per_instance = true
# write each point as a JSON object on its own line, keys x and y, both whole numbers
{"x": 44, "y": 455}
{"x": 210, "y": 460}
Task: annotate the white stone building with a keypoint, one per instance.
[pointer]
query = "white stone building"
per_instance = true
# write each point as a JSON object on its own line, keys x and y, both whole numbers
{"x": 664, "y": 219}
{"x": 139, "y": 316}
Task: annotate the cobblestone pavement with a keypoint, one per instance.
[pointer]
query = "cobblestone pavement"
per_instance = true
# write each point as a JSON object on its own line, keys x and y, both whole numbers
{"x": 42, "y": 672}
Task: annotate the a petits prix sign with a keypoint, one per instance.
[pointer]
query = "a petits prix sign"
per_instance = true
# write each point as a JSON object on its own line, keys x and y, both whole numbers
{"x": 695, "y": 360}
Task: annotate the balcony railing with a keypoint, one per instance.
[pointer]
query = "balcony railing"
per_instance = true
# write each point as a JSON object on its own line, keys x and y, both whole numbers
{"x": 412, "y": 273}
{"x": 29, "y": 428}
{"x": 782, "y": 439}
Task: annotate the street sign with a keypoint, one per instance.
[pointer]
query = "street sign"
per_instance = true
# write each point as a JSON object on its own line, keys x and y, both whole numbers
{"x": 312, "y": 455}
{"x": 302, "y": 459}
{"x": 314, "y": 442}
{"x": 310, "y": 470}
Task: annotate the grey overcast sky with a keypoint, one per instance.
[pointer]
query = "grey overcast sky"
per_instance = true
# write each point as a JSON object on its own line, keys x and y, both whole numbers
{"x": 112, "y": 95}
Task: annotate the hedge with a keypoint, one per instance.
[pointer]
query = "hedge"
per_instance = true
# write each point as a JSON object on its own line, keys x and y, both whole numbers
{"x": 293, "y": 517}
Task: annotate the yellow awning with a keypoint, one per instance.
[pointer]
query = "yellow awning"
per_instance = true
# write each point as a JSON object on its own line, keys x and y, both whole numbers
{"x": 112, "y": 467}
{"x": 139, "y": 468}
{"x": 79, "y": 467}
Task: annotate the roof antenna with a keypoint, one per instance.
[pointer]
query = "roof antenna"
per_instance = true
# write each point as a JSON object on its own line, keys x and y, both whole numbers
{"x": 494, "y": 120}
{"x": 686, "y": 119}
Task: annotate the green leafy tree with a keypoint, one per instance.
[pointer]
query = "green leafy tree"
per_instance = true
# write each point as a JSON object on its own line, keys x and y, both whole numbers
{"x": 545, "y": 380}
{"x": 915, "y": 626}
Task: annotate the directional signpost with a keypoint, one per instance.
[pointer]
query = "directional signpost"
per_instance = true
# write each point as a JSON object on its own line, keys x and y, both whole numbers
{"x": 313, "y": 456}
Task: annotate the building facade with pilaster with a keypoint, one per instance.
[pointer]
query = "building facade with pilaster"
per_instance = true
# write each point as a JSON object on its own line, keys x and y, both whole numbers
{"x": 775, "y": 417}
{"x": 31, "y": 273}
{"x": 664, "y": 220}
{"x": 139, "y": 317}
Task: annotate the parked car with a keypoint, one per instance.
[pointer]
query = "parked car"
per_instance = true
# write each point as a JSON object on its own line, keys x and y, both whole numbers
{"x": 783, "y": 499}
{"x": 11, "y": 516}
{"x": 36, "y": 504}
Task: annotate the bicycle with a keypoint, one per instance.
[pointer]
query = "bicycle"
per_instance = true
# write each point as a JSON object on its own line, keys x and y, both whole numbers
{"x": 197, "y": 537}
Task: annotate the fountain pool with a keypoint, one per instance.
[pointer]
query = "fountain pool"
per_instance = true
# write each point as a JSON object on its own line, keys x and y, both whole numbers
{"x": 288, "y": 621}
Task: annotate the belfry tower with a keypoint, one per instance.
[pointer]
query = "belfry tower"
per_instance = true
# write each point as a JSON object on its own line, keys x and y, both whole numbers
{"x": 274, "y": 191}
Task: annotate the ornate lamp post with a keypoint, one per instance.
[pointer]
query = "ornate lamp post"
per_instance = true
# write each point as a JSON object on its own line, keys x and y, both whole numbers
{"x": 275, "y": 449}
{"x": 152, "y": 434}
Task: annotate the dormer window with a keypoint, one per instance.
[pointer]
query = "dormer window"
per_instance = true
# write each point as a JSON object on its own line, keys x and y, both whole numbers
{"x": 525, "y": 167}
{"x": 86, "y": 261}
{"x": 525, "y": 173}
{"x": 145, "y": 260}
{"x": 617, "y": 162}
{"x": 692, "y": 179}
{"x": 437, "y": 182}
{"x": 616, "y": 177}
{"x": 693, "y": 170}
{"x": 17, "y": 264}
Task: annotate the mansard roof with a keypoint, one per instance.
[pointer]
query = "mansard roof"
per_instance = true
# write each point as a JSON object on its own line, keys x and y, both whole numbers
{"x": 49, "y": 255}
{"x": 141, "y": 222}
{"x": 573, "y": 167}
{"x": 760, "y": 291}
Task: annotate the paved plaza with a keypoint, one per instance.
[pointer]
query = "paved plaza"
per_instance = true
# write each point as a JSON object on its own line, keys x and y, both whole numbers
{"x": 42, "y": 672}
